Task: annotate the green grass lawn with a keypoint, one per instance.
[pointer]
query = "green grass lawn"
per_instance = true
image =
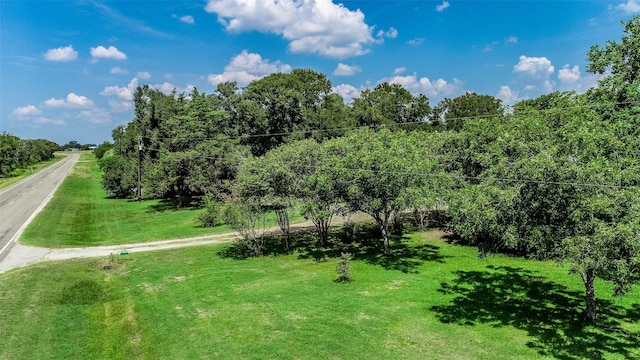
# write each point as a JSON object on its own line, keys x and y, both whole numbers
{"x": 81, "y": 214}
{"x": 20, "y": 174}
{"x": 430, "y": 300}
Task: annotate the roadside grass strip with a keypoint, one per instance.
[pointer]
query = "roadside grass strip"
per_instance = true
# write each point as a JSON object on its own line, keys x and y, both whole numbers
{"x": 81, "y": 214}
{"x": 21, "y": 174}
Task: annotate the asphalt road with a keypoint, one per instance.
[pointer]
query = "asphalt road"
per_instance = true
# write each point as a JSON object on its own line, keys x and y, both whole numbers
{"x": 20, "y": 202}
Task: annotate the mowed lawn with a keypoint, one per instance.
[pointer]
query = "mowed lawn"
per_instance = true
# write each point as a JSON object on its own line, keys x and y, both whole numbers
{"x": 430, "y": 300}
{"x": 81, "y": 214}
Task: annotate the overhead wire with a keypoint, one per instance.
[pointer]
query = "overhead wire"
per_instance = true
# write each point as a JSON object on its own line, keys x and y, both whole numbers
{"x": 417, "y": 122}
{"x": 421, "y": 122}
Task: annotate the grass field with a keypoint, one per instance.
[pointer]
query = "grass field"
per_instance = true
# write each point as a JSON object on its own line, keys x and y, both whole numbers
{"x": 81, "y": 214}
{"x": 20, "y": 174}
{"x": 430, "y": 300}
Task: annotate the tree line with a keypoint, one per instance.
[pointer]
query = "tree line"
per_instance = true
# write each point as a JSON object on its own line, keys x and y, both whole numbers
{"x": 16, "y": 153}
{"x": 556, "y": 177}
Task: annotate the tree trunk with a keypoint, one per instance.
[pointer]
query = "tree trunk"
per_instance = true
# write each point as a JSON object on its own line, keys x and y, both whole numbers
{"x": 322, "y": 226}
{"x": 397, "y": 223}
{"x": 283, "y": 223}
{"x": 383, "y": 224}
{"x": 588, "y": 278}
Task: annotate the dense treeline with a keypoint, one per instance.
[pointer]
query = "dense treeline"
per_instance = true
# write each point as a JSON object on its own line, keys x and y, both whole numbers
{"x": 16, "y": 153}
{"x": 557, "y": 177}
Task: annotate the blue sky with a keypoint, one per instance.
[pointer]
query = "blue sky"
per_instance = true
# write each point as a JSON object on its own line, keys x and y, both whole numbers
{"x": 68, "y": 68}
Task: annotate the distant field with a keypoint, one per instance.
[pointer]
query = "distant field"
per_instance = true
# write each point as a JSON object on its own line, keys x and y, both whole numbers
{"x": 431, "y": 300}
{"x": 23, "y": 173}
{"x": 80, "y": 214}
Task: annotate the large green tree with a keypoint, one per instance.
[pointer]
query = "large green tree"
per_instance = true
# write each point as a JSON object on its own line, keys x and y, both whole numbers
{"x": 389, "y": 104}
{"x": 452, "y": 113}
{"x": 377, "y": 169}
{"x": 561, "y": 184}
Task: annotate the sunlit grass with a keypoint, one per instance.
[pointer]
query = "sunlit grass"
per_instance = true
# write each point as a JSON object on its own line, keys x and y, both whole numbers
{"x": 430, "y": 300}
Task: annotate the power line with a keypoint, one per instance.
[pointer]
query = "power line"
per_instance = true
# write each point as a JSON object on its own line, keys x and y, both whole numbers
{"x": 374, "y": 126}
{"x": 457, "y": 176}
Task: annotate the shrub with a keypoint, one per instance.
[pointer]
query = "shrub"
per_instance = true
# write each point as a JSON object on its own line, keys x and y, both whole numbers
{"x": 344, "y": 268}
{"x": 212, "y": 214}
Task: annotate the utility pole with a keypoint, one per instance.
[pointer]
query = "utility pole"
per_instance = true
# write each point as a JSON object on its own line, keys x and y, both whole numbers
{"x": 139, "y": 192}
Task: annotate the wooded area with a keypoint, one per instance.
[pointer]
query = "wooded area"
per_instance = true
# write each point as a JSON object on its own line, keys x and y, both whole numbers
{"x": 16, "y": 153}
{"x": 553, "y": 177}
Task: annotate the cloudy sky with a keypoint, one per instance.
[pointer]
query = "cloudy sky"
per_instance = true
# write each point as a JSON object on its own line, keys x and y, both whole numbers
{"x": 68, "y": 69}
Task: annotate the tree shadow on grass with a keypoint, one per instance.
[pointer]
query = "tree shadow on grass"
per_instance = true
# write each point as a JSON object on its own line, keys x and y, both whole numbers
{"x": 173, "y": 204}
{"x": 406, "y": 256}
{"x": 548, "y": 312}
{"x": 366, "y": 246}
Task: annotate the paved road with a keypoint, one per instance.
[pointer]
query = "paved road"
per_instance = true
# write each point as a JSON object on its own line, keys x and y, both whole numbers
{"x": 20, "y": 202}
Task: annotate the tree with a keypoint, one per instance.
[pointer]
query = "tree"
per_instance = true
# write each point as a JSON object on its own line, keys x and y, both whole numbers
{"x": 299, "y": 172}
{"x": 18, "y": 153}
{"x": 277, "y": 108}
{"x": 375, "y": 171}
{"x": 389, "y": 104}
{"x": 452, "y": 113}
{"x": 102, "y": 149}
{"x": 267, "y": 182}
{"x": 618, "y": 93}
{"x": 565, "y": 189}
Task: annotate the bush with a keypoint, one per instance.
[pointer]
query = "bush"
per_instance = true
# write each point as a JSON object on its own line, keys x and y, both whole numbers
{"x": 344, "y": 268}
{"x": 212, "y": 214}
{"x": 250, "y": 222}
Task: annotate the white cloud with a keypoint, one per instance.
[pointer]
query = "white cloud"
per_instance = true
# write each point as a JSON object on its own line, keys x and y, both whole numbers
{"x": 346, "y": 70}
{"x": 431, "y": 88}
{"x": 348, "y": 92}
{"x": 317, "y": 27}
{"x": 120, "y": 105}
{"x": 511, "y": 40}
{"x": 44, "y": 120}
{"x": 538, "y": 67}
{"x": 416, "y": 41}
{"x": 29, "y": 110}
{"x": 188, "y": 19}
{"x": 119, "y": 70}
{"x": 507, "y": 95}
{"x": 143, "y": 75}
{"x": 107, "y": 53}
{"x": 122, "y": 93}
{"x": 443, "y": 6}
{"x": 61, "y": 54}
{"x": 392, "y": 33}
{"x": 568, "y": 75}
{"x": 167, "y": 88}
{"x": 72, "y": 101}
{"x": 247, "y": 67}
{"x": 400, "y": 70}
{"x": 630, "y": 7}
{"x": 95, "y": 116}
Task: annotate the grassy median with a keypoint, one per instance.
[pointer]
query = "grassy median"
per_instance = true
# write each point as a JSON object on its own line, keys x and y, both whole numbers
{"x": 430, "y": 300}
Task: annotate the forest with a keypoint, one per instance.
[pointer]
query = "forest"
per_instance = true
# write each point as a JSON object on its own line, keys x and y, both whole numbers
{"x": 555, "y": 177}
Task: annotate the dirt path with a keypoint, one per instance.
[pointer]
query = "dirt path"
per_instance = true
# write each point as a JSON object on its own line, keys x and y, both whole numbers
{"x": 22, "y": 255}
